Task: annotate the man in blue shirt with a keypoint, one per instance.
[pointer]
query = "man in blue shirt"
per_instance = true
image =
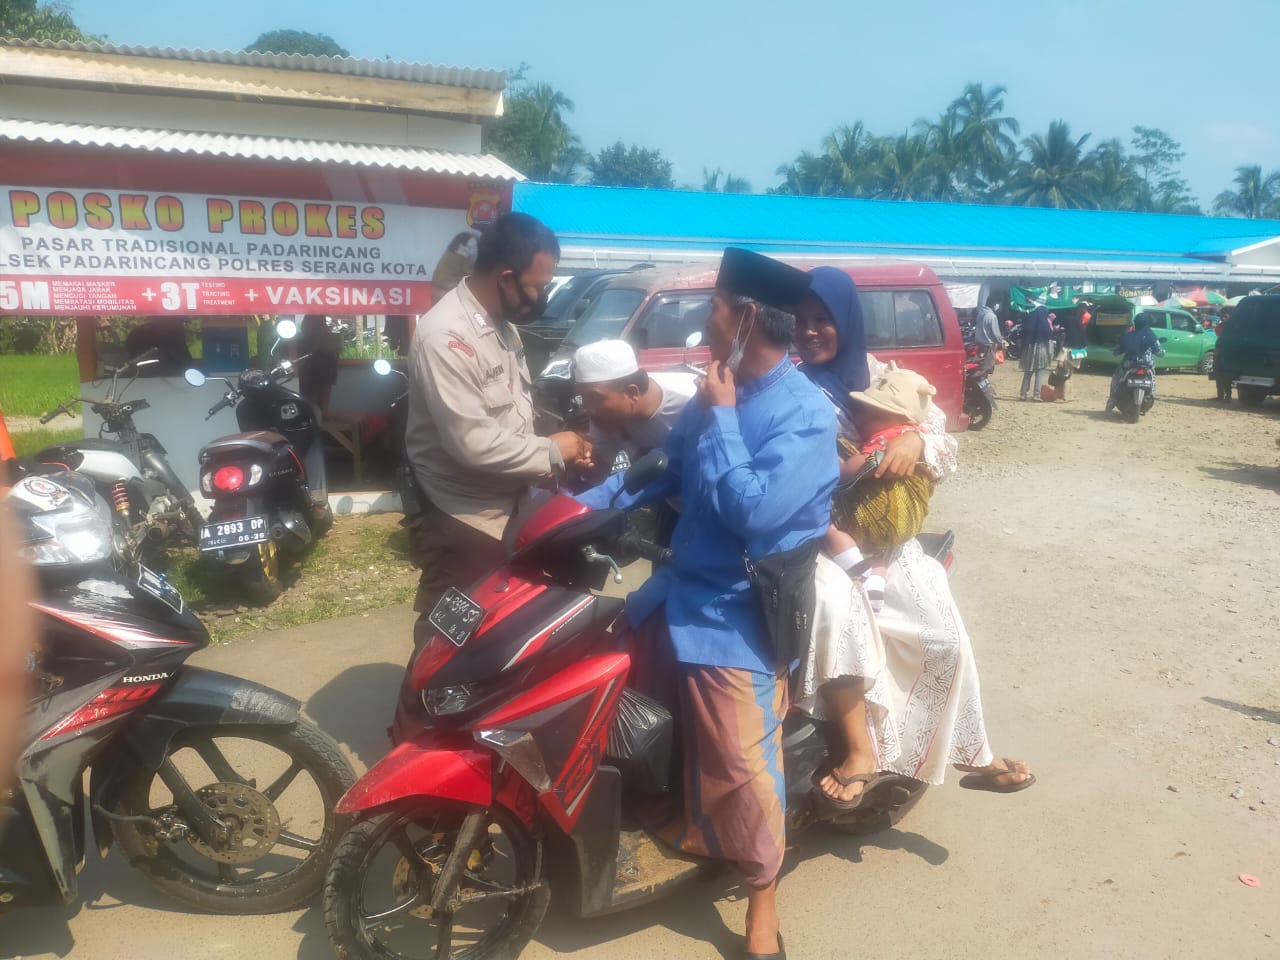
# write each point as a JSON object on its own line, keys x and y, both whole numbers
{"x": 753, "y": 459}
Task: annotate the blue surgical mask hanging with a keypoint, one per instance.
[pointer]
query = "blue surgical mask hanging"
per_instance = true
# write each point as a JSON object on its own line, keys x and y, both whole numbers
{"x": 736, "y": 352}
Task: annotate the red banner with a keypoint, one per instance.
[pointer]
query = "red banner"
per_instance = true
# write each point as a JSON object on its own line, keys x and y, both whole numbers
{"x": 70, "y": 296}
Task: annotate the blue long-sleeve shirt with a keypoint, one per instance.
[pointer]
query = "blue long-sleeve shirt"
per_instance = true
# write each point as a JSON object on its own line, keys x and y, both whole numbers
{"x": 754, "y": 479}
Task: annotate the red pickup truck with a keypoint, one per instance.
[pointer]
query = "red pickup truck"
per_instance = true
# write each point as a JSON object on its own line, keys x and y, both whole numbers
{"x": 905, "y": 310}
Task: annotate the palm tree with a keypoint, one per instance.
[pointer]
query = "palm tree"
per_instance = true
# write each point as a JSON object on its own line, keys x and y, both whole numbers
{"x": 717, "y": 181}
{"x": 905, "y": 170}
{"x": 1256, "y": 196}
{"x": 1054, "y": 173}
{"x": 953, "y": 168}
{"x": 1116, "y": 184}
{"x": 809, "y": 175}
{"x": 551, "y": 142}
{"x": 986, "y": 134}
{"x": 847, "y": 151}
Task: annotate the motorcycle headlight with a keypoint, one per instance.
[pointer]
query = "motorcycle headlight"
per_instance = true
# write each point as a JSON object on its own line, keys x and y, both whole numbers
{"x": 73, "y": 537}
{"x": 445, "y": 701}
{"x": 558, "y": 370}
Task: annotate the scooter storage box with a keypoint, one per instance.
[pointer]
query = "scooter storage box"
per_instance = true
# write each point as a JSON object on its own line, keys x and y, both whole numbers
{"x": 640, "y": 743}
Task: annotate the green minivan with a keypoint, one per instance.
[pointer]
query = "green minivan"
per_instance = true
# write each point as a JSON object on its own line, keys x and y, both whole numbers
{"x": 1249, "y": 351}
{"x": 1186, "y": 342}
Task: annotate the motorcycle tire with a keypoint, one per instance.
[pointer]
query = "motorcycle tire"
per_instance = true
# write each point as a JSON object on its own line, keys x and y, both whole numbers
{"x": 1133, "y": 412}
{"x": 977, "y": 407}
{"x": 167, "y": 865}
{"x": 437, "y": 823}
{"x": 1252, "y": 397}
{"x": 262, "y": 574}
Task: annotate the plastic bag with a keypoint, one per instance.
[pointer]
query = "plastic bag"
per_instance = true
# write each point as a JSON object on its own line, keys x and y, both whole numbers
{"x": 640, "y": 743}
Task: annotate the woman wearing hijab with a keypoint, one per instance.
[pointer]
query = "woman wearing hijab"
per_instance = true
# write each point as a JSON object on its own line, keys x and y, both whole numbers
{"x": 1037, "y": 350}
{"x": 903, "y": 685}
{"x": 1138, "y": 347}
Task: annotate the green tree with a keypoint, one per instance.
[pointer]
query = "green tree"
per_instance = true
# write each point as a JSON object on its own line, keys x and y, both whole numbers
{"x": 809, "y": 175}
{"x": 1255, "y": 195}
{"x": 904, "y": 169}
{"x": 298, "y": 41}
{"x": 953, "y": 166}
{"x": 1156, "y": 156}
{"x": 1116, "y": 185}
{"x": 984, "y": 133}
{"x": 32, "y": 20}
{"x": 717, "y": 181}
{"x": 633, "y": 166}
{"x": 849, "y": 157}
{"x": 1054, "y": 173}
{"x": 533, "y": 135}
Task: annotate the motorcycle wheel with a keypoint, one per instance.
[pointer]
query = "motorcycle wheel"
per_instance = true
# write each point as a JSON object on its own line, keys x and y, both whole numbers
{"x": 977, "y": 406}
{"x": 378, "y": 891}
{"x": 267, "y": 867}
{"x": 1133, "y": 412}
{"x": 262, "y": 574}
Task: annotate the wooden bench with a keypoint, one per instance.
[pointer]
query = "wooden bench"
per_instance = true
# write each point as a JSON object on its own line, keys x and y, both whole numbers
{"x": 346, "y": 430}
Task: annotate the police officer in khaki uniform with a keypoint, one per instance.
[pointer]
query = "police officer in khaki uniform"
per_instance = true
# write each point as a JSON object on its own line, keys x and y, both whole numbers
{"x": 469, "y": 436}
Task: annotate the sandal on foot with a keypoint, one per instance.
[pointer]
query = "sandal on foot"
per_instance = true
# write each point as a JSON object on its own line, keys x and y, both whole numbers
{"x": 780, "y": 955}
{"x": 834, "y": 807}
{"x": 986, "y": 781}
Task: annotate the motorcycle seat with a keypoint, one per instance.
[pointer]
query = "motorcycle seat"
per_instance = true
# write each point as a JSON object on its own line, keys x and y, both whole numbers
{"x": 259, "y": 441}
{"x": 88, "y": 443}
{"x": 937, "y": 545}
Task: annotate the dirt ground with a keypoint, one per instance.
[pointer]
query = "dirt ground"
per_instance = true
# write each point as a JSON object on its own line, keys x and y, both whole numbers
{"x": 1118, "y": 582}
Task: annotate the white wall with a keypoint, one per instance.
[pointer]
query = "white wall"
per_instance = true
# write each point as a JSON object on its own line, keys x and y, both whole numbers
{"x": 228, "y": 116}
{"x": 177, "y": 412}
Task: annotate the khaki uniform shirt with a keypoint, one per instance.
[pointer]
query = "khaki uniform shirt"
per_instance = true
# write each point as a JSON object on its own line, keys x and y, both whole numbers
{"x": 470, "y": 432}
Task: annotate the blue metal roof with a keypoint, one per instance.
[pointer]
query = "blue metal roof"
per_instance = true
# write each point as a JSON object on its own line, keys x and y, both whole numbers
{"x": 821, "y": 225}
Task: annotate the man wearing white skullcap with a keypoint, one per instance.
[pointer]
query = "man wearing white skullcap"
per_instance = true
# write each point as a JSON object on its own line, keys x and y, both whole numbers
{"x": 631, "y": 411}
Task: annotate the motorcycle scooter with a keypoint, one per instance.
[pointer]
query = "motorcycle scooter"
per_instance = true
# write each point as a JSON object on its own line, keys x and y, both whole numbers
{"x": 979, "y": 394}
{"x": 215, "y": 788}
{"x": 129, "y": 469}
{"x": 537, "y": 756}
{"x": 267, "y": 483}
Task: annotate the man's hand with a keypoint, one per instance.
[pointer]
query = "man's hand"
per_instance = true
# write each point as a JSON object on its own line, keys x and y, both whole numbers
{"x": 718, "y": 388}
{"x": 574, "y": 450}
{"x": 901, "y": 454}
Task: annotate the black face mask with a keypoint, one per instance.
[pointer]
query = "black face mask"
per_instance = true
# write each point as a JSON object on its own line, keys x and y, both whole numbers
{"x": 527, "y": 309}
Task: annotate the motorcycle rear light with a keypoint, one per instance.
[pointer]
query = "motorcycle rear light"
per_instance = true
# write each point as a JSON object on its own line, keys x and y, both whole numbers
{"x": 228, "y": 479}
{"x": 111, "y": 702}
{"x": 1140, "y": 372}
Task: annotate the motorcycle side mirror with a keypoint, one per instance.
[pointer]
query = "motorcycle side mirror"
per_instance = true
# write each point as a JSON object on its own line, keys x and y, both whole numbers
{"x": 694, "y": 340}
{"x": 382, "y": 367}
{"x": 645, "y": 471}
{"x": 195, "y": 378}
{"x": 286, "y": 330}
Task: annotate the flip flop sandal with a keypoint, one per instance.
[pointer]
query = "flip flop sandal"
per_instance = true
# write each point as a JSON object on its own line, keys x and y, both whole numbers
{"x": 833, "y": 807}
{"x": 780, "y": 955}
{"x": 986, "y": 781}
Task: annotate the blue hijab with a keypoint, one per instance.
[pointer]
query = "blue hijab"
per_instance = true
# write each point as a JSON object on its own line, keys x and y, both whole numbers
{"x": 847, "y": 370}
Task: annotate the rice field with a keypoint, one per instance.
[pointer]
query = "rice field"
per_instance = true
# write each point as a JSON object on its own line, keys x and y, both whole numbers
{"x": 31, "y": 385}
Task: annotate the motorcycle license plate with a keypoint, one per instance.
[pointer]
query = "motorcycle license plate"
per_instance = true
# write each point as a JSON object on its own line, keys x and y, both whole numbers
{"x": 151, "y": 582}
{"x": 456, "y": 616}
{"x": 1147, "y": 383}
{"x": 233, "y": 533}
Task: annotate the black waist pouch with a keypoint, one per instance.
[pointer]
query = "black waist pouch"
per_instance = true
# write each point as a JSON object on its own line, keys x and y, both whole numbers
{"x": 784, "y": 587}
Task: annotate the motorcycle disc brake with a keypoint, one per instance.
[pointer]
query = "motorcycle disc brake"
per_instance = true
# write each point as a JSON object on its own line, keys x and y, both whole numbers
{"x": 403, "y": 884}
{"x": 252, "y": 817}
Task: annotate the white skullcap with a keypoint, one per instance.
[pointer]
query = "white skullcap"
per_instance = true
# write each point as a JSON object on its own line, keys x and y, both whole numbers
{"x": 604, "y": 361}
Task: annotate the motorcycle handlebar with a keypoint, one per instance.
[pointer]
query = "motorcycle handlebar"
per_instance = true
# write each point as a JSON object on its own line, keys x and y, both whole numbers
{"x": 220, "y": 405}
{"x": 647, "y": 549}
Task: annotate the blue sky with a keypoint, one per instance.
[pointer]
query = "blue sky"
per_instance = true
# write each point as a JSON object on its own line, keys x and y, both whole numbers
{"x": 746, "y": 85}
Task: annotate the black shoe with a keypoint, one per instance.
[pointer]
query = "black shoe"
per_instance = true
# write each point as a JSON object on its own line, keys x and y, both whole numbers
{"x": 780, "y": 955}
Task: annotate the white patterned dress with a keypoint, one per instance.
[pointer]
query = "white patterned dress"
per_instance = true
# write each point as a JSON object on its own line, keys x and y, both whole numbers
{"x": 924, "y": 705}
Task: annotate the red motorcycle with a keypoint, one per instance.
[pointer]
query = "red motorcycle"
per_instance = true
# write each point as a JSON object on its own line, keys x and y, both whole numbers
{"x": 536, "y": 759}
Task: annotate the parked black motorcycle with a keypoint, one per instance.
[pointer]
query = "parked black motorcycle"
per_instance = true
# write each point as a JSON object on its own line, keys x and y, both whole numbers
{"x": 267, "y": 483}
{"x": 214, "y": 787}
{"x": 1135, "y": 394}
{"x": 979, "y": 394}
{"x": 128, "y": 468}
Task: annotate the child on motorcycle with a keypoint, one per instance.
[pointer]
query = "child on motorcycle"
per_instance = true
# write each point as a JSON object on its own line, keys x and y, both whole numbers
{"x": 872, "y": 518}
{"x": 1138, "y": 347}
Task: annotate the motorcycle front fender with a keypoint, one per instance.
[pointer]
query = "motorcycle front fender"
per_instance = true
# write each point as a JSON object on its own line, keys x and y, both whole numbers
{"x": 427, "y": 766}
{"x": 205, "y": 698}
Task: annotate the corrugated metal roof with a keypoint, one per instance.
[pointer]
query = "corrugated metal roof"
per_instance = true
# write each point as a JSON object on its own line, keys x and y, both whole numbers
{"x": 261, "y": 148}
{"x": 468, "y": 77}
{"x": 820, "y": 226}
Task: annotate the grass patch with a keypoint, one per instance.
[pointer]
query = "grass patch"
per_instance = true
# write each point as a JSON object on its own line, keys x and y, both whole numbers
{"x": 27, "y": 442}
{"x": 33, "y": 385}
